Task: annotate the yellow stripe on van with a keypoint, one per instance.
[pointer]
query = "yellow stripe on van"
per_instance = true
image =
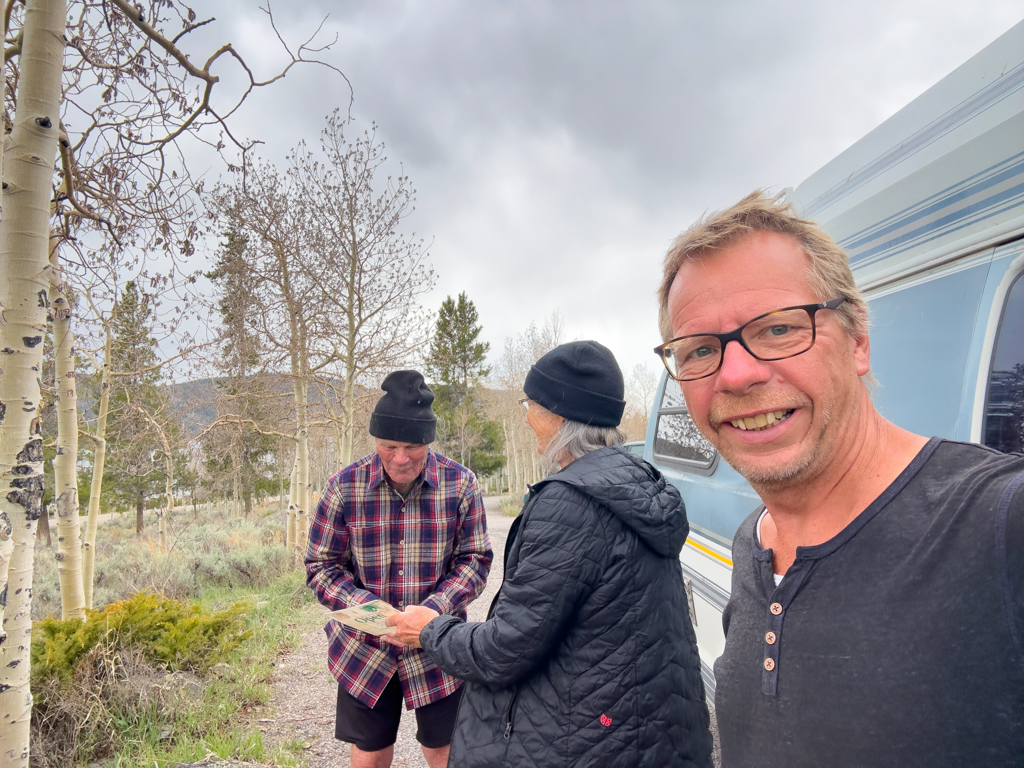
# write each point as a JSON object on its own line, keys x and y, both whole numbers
{"x": 708, "y": 551}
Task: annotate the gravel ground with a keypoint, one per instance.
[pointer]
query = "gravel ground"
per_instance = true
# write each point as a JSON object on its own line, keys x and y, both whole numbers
{"x": 305, "y": 692}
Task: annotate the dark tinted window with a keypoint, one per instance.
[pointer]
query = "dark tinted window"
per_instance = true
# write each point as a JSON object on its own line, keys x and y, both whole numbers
{"x": 1004, "y": 408}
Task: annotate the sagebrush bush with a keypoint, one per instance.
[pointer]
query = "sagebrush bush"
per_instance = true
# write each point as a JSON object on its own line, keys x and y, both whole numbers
{"x": 203, "y": 551}
{"x": 511, "y": 506}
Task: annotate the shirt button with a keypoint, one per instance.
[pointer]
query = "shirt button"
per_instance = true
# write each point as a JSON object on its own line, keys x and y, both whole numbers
{"x": 769, "y": 664}
{"x": 770, "y": 638}
{"x": 401, "y": 542}
{"x": 401, "y": 573}
{"x": 776, "y": 608}
{"x": 400, "y": 604}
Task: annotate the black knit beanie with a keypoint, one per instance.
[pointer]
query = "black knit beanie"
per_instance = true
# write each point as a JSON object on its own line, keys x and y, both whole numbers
{"x": 580, "y": 381}
{"x": 404, "y": 413}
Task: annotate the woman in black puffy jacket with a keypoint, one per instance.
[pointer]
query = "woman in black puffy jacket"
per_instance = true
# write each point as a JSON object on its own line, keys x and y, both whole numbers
{"x": 588, "y": 656}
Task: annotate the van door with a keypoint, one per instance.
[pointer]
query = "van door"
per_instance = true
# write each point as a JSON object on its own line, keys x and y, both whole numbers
{"x": 717, "y": 500}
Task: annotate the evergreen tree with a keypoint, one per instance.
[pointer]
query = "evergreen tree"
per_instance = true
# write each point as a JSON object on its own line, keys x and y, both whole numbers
{"x": 456, "y": 358}
{"x": 131, "y": 476}
{"x": 456, "y": 362}
{"x": 238, "y": 457}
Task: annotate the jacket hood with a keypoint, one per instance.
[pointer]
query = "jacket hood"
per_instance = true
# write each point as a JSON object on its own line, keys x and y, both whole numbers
{"x": 633, "y": 491}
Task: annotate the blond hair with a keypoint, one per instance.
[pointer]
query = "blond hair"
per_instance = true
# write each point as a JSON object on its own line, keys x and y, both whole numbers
{"x": 828, "y": 271}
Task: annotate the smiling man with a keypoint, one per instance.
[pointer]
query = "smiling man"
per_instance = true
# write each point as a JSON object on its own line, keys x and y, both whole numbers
{"x": 404, "y": 525}
{"x": 877, "y": 608}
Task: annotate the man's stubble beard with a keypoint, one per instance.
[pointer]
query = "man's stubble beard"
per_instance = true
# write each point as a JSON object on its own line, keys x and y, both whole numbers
{"x": 777, "y": 477}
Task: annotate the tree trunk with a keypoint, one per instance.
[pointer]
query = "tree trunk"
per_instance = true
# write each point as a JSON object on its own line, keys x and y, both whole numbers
{"x": 24, "y": 282}
{"x": 280, "y": 479}
{"x": 339, "y": 448}
{"x": 65, "y": 463}
{"x": 302, "y": 469}
{"x": 247, "y": 503}
{"x": 289, "y": 538}
{"x": 345, "y": 454}
{"x": 162, "y": 516}
{"x": 236, "y": 488}
{"x": 140, "y": 511}
{"x": 508, "y": 453}
{"x": 96, "y": 489}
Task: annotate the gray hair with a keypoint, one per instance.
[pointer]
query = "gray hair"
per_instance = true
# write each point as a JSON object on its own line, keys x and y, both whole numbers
{"x": 574, "y": 440}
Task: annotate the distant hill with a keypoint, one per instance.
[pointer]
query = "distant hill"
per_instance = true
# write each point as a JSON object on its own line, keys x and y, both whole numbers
{"x": 194, "y": 402}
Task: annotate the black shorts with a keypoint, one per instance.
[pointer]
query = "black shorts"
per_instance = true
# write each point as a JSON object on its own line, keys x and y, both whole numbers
{"x": 377, "y": 728}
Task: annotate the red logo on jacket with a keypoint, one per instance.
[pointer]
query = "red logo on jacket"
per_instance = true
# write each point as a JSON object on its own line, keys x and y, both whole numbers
{"x": 605, "y": 720}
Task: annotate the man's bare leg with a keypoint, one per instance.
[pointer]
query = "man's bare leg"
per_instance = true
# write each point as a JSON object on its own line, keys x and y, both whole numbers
{"x": 379, "y": 759}
{"x": 436, "y": 758}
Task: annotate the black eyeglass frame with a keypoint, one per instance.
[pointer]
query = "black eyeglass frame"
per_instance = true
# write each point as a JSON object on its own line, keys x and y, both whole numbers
{"x": 737, "y": 335}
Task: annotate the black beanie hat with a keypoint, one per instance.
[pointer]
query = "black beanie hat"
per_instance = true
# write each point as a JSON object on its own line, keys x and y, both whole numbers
{"x": 404, "y": 413}
{"x": 580, "y": 381}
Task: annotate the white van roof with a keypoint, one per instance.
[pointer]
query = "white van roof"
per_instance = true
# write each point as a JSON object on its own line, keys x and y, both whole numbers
{"x": 942, "y": 177}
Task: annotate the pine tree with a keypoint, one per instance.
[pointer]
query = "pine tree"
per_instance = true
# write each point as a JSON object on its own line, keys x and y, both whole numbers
{"x": 131, "y": 476}
{"x": 238, "y": 454}
{"x": 456, "y": 358}
{"x": 456, "y": 363}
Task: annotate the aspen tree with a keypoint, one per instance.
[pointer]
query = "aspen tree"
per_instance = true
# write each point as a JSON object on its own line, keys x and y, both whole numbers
{"x": 24, "y": 286}
{"x": 168, "y": 456}
{"x": 65, "y": 463}
{"x": 267, "y": 217}
{"x": 129, "y": 89}
{"x": 99, "y": 441}
{"x": 378, "y": 273}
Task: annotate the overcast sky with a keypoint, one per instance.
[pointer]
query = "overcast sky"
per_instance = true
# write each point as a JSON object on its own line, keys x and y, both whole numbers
{"x": 558, "y": 147}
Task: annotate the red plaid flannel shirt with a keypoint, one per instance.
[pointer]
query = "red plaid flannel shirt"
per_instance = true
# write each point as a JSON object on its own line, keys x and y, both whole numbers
{"x": 365, "y": 543}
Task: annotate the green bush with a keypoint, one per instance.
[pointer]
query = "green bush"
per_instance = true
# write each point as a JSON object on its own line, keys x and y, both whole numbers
{"x": 175, "y": 635}
{"x": 129, "y": 668}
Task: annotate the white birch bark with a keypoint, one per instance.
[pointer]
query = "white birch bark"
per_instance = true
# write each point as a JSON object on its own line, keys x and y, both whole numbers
{"x": 96, "y": 489}
{"x": 65, "y": 463}
{"x": 24, "y": 282}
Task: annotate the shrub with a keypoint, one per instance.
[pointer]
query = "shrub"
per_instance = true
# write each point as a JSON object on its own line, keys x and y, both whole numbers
{"x": 204, "y": 551}
{"x": 128, "y": 666}
{"x": 511, "y": 506}
{"x": 165, "y": 631}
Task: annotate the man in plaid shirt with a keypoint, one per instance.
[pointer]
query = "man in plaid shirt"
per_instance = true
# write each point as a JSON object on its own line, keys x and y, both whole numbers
{"x": 404, "y": 525}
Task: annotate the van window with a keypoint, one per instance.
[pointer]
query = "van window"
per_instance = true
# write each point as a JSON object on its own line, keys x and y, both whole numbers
{"x": 677, "y": 439}
{"x": 1004, "y": 408}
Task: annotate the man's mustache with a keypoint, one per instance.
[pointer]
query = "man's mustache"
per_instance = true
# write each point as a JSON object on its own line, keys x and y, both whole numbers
{"x": 728, "y": 407}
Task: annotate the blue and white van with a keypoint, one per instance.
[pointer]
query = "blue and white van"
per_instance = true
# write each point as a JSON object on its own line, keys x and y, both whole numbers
{"x": 930, "y": 208}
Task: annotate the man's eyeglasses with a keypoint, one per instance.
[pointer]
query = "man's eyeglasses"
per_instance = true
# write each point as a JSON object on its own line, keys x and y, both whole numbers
{"x": 786, "y": 332}
{"x": 524, "y": 404}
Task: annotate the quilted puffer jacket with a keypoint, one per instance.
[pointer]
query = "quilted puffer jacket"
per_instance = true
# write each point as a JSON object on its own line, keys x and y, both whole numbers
{"x": 588, "y": 657}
